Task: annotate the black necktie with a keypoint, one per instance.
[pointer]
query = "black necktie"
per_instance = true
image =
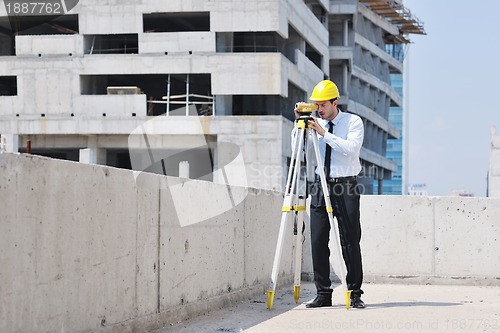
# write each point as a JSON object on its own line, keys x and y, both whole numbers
{"x": 328, "y": 152}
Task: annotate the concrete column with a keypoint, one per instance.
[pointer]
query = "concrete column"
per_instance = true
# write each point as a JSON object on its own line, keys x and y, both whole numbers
{"x": 346, "y": 32}
{"x": 293, "y": 43}
{"x": 345, "y": 77}
{"x": 3, "y": 143}
{"x": 93, "y": 156}
{"x": 9, "y": 143}
{"x": 184, "y": 169}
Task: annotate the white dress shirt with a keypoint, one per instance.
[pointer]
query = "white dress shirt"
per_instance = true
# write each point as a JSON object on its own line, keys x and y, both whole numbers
{"x": 346, "y": 141}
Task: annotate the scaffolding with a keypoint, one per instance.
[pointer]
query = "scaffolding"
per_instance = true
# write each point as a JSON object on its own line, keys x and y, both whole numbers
{"x": 206, "y": 102}
{"x": 396, "y": 13}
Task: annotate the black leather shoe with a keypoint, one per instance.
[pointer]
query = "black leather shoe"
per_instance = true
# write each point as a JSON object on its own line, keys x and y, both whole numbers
{"x": 356, "y": 302}
{"x": 320, "y": 301}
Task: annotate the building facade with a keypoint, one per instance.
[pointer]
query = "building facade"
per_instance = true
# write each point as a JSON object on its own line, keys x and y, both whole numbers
{"x": 395, "y": 147}
{"x": 81, "y": 85}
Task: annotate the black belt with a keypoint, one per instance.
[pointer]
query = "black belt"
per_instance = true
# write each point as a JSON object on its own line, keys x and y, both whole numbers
{"x": 339, "y": 179}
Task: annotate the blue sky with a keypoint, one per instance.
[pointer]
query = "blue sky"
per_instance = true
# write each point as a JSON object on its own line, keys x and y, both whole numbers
{"x": 454, "y": 93}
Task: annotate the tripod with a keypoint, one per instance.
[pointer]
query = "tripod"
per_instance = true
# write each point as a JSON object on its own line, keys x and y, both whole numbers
{"x": 296, "y": 203}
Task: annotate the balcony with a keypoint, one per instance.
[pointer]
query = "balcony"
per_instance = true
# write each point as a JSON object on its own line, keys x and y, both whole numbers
{"x": 176, "y": 42}
{"x": 37, "y": 45}
{"x": 122, "y": 106}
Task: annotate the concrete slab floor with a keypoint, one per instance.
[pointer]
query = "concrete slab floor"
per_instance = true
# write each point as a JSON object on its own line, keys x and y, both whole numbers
{"x": 390, "y": 308}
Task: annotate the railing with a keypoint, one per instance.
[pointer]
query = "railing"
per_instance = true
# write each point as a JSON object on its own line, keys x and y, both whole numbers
{"x": 186, "y": 99}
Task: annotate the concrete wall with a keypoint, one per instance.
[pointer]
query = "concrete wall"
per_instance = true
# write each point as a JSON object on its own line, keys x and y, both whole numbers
{"x": 452, "y": 240}
{"x": 93, "y": 248}
{"x": 87, "y": 248}
{"x": 444, "y": 238}
{"x": 177, "y": 42}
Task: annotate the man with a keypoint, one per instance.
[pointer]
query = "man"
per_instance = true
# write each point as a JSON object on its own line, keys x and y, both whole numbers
{"x": 340, "y": 136}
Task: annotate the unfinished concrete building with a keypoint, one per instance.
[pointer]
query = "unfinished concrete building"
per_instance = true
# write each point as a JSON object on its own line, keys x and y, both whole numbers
{"x": 367, "y": 41}
{"x": 82, "y": 85}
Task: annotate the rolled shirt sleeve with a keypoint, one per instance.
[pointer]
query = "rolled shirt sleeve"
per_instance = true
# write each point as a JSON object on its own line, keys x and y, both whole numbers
{"x": 352, "y": 143}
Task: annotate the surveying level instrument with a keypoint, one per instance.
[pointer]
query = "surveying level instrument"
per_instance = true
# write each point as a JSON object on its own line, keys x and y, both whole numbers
{"x": 305, "y": 108}
{"x": 293, "y": 202}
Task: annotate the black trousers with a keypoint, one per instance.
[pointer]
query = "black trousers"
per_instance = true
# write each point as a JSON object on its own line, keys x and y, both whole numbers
{"x": 345, "y": 203}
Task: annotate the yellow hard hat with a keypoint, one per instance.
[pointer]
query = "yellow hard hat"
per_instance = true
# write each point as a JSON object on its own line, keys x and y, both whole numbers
{"x": 325, "y": 91}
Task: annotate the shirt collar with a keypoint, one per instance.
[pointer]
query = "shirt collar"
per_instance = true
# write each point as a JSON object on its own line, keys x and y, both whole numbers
{"x": 335, "y": 120}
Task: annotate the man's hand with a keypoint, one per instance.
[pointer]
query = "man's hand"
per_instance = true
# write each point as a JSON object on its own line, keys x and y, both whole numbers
{"x": 316, "y": 126}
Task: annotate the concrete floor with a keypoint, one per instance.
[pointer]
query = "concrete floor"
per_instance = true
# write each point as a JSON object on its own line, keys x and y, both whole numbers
{"x": 390, "y": 308}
